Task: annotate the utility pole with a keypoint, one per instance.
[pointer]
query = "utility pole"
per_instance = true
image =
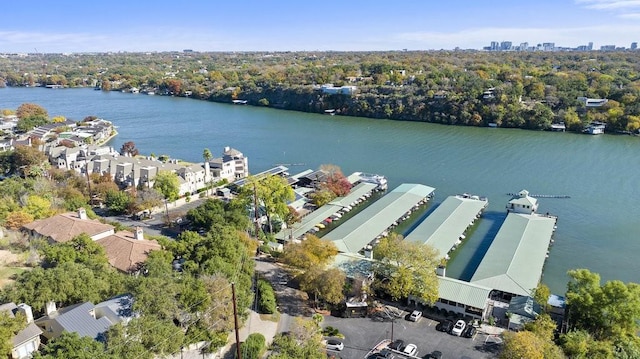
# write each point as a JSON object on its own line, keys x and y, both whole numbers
{"x": 255, "y": 210}
{"x": 235, "y": 320}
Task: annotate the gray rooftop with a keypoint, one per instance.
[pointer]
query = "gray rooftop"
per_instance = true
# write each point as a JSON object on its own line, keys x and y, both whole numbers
{"x": 364, "y": 227}
{"x": 515, "y": 259}
{"x": 444, "y": 227}
{"x": 80, "y": 320}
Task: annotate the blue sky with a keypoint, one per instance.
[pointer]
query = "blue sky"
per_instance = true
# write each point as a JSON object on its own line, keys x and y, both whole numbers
{"x": 293, "y": 25}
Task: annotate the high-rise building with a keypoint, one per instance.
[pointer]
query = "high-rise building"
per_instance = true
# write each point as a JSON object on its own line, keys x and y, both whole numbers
{"x": 634, "y": 46}
{"x": 524, "y": 46}
{"x": 505, "y": 45}
{"x": 590, "y": 47}
{"x": 548, "y": 46}
{"x": 495, "y": 46}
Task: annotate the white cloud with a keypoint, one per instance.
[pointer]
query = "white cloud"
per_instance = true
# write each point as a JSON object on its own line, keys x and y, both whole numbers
{"x": 632, "y": 16}
{"x": 621, "y": 8}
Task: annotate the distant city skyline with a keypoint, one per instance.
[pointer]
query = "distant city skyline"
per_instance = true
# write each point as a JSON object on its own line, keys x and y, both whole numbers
{"x": 68, "y": 26}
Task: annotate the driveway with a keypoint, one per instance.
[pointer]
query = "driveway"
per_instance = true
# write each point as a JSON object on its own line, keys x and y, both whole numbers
{"x": 361, "y": 334}
{"x": 290, "y": 300}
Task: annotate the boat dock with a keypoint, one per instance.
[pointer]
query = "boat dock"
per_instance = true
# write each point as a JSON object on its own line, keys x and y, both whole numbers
{"x": 374, "y": 221}
{"x": 444, "y": 228}
{"x": 543, "y": 195}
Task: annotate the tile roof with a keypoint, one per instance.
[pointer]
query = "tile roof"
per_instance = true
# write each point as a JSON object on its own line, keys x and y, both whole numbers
{"x": 64, "y": 227}
{"x": 125, "y": 252}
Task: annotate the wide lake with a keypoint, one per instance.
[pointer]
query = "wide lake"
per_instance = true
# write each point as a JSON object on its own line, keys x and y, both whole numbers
{"x": 598, "y": 227}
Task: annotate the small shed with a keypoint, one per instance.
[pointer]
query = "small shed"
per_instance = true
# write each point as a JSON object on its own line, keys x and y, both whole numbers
{"x": 223, "y": 192}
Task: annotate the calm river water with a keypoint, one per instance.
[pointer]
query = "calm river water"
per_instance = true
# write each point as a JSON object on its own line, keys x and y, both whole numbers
{"x": 598, "y": 227}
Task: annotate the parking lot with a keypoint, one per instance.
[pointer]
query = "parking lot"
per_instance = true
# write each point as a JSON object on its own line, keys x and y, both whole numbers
{"x": 361, "y": 334}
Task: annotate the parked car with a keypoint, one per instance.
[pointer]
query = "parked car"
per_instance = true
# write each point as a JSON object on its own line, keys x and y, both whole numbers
{"x": 397, "y": 344}
{"x": 469, "y": 332}
{"x": 458, "y": 328}
{"x": 334, "y": 344}
{"x": 436, "y": 354}
{"x": 415, "y": 316}
{"x": 410, "y": 349}
{"x": 445, "y": 326}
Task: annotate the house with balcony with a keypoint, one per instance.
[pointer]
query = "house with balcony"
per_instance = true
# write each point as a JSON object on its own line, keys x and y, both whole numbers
{"x": 523, "y": 203}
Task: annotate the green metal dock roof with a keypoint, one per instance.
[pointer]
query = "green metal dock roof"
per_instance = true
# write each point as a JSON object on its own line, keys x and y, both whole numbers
{"x": 356, "y": 192}
{"x": 363, "y": 228}
{"x": 308, "y": 222}
{"x": 324, "y": 212}
{"x": 463, "y": 292}
{"x": 443, "y": 227}
{"x": 514, "y": 261}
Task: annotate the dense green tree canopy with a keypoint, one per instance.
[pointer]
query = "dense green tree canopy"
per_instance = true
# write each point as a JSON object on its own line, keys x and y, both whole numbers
{"x": 406, "y": 268}
{"x": 167, "y": 183}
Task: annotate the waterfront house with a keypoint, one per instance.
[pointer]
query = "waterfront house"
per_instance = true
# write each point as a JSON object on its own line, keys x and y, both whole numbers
{"x": 233, "y": 165}
{"x": 65, "y": 226}
{"x": 27, "y": 340}
{"x": 521, "y": 311}
{"x": 86, "y": 319}
{"x": 595, "y": 128}
{"x": 329, "y": 89}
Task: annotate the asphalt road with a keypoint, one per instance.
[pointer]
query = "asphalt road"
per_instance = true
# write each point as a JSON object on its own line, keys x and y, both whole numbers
{"x": 361, "y": 334}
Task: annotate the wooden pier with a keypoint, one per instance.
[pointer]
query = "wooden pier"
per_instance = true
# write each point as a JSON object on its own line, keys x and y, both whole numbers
{"x": 543, "y": 195}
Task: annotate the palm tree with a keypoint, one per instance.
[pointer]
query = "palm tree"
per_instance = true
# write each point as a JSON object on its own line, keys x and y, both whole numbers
{"x": 206, "y": 154}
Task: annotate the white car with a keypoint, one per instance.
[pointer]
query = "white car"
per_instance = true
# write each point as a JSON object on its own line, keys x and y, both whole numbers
{"x": 410, "y": 349}
{"x": 334, "y": 344}
{"x": 458, "y": 328}
{"x": 415, "y": 316}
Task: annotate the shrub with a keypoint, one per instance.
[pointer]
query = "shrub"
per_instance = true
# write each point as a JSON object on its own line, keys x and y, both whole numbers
{"x": 266, "y": 297}
{"x": 254, "y": 346}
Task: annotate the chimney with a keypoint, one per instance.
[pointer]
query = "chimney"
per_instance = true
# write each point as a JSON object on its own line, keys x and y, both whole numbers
{"x": 441, "y": 271}
{"x": 82, "y": 213}
{"x": 139, "y": 235}
{"x": 50, "y": 307}
{"x": 26, "y": 310}
{"x": 227, "y": 148}
{"x": 368, "y": 252}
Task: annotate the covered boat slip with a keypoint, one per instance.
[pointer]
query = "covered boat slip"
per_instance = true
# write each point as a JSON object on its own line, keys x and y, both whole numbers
{"x": 514, "y": 262}
{"x": 362, "y": 229}
{"x": 324, "y": 212}
{"x": 446, "y": 225}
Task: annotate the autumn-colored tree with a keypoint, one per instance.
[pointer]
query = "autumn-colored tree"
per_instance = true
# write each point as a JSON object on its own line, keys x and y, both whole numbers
{"x": 58, "y": 119}
{"x": 29, "y": 162}
{"x": 327, "y": 285}
{"x": 308, "y": 253}
{"x": 129, "y": 149}
{"x": 38, "y": 207}
{"x": 27, "y": 110}
{"x": 17, "y": 219}
{"x": 522, "y": 345}
{"x": 335, "y": 181}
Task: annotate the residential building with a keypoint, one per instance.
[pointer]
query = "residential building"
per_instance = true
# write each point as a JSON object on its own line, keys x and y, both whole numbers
{"x": 127, "y": 251}
{"x": 233, "y": 165}
{"x": 86, "y": 319}
{"x": 522, "y": 310}
{"x": 65, "y": 226}
{"x": 342, "y": 90}
{"x": 26, "y": 341}
{"x": 593, "y": 102}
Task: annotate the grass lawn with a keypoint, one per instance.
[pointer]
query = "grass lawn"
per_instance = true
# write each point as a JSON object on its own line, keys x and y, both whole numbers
{"x": 7, "y": 273}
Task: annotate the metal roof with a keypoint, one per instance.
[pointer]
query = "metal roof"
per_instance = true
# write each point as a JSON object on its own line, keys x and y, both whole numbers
{"x": 515, "y": 259}
{"x": 324, "y": 212}
{"x": 355, "y": 193}
{"x": 364, "y": 227}
{"x": 459, "y": 291}
{"x": 443, "y": 227}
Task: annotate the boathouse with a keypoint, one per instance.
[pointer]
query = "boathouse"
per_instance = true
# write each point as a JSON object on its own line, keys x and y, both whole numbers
{"x": 513, "y": 263}
{"x": 298, "y": 230}
{"x": 444, "y": 228}
{"x": 523, "y": 203}
{"x": 373, "y": 222}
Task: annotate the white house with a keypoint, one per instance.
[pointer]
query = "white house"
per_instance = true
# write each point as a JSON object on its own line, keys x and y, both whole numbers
{"x": 26, "y": 341}
{"x": 523, "y": 203}
{"x": 231, "y": 166}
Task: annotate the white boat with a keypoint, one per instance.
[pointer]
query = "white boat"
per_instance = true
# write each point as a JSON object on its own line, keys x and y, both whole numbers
{"x": 379, "y": 180}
